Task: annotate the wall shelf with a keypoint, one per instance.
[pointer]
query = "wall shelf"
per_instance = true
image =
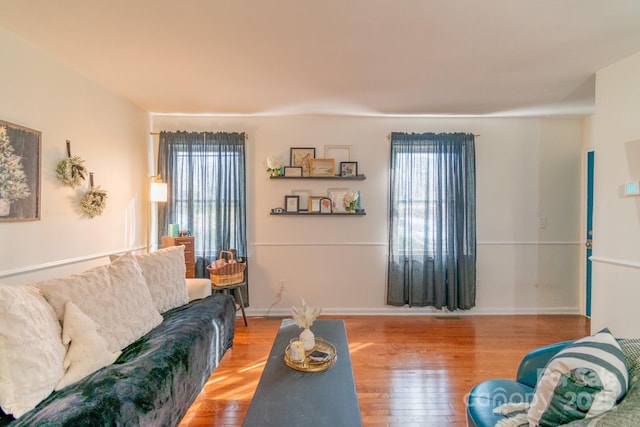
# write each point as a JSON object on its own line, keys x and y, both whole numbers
{"x": 303, "y": 213}
{"x": 336, "y": 177}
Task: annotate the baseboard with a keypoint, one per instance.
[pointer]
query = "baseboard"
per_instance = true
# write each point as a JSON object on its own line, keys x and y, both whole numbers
{"x": 418, "y": 311}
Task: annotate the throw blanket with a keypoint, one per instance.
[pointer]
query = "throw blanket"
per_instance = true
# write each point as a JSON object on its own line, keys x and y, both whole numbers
{"x": 156, "y": 378}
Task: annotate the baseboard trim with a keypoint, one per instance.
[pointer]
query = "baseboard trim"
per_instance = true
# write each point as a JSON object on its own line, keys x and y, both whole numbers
{"x": 419, "y": 311}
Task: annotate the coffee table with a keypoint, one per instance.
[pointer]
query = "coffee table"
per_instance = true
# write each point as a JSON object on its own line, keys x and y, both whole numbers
{"x": 288, "y": 397}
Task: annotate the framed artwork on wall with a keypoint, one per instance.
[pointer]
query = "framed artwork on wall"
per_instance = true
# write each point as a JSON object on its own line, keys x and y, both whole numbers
{"x": 322, "y": 167}
{"x": 325, "y": 205}
{"x": 340, "y": 153}
{"x": 20, "y": 149}
{"x": 337, "y": 198}
{"x": 303, "y": 195}
{"x": 300, "y": 156}
{"x": 348, "y": 168}
{"x": 314, "y": 203}
{"x": 291, "y": 203}
{"x": 293, "y": 171}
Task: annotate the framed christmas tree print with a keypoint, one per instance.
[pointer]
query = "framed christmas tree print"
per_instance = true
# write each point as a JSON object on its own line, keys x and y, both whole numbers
{"x": 20, "y": 149}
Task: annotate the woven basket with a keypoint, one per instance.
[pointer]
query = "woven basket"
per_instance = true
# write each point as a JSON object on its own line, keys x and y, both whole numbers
{"x": 229, "y": 274}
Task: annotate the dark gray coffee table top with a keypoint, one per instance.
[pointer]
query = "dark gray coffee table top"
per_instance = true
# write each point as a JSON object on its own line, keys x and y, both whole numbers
{"x": 286, "y": 397}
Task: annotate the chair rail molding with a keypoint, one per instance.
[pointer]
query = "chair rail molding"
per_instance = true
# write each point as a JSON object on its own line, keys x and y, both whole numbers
{"x": 63, "y": 262}
{"x": 616, "y": 261}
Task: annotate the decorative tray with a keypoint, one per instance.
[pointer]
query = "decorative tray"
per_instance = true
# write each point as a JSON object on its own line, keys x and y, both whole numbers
{"x": 309, "y": 365}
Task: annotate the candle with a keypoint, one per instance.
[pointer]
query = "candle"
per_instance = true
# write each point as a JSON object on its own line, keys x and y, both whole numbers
{"x": 296, "y": 350}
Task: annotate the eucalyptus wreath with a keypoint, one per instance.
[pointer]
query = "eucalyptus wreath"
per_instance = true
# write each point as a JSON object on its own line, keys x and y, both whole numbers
{"x": 94, "y": 202}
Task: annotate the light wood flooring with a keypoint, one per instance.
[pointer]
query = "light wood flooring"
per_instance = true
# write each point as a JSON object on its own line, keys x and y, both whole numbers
{"x": 409, "y": 370}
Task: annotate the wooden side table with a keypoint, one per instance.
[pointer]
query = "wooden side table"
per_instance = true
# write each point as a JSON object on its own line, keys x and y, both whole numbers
{"x": 227, "y": 288}
{"x": 189, "y": 252}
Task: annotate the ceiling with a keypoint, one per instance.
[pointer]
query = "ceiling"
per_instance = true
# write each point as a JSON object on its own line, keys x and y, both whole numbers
{"x": 354, "y": 57}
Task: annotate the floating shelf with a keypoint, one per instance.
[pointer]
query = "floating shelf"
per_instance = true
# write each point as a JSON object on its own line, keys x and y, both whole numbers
{"x": 303, "y": 213}
{"x": 338, "y": 177}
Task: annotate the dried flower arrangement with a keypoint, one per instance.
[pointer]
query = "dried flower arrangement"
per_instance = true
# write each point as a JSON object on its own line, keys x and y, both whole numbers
{"x": 305, "y": 315}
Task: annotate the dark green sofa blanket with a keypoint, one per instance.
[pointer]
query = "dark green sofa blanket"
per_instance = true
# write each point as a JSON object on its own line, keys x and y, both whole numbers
{"x": 155, "y": 380}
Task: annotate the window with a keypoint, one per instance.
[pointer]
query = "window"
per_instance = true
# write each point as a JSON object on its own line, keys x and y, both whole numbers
{"x": 432, "y": 238}
{"x": 207, "y": 190}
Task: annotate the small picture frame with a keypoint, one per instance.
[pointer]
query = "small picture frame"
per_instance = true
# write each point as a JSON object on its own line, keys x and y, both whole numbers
{"x": 322, "y": 167}
{"x": 291, "y": 203}
{"x": 348, "y": 169}
{"x": 294, "y": 171}
{"x": 304, "y": 195}
{"x": 325, "y": 205}
{"x": 336, "y": 195}
{"x": 341, "y": 153}
{"x": 300, "y": 156}
{"x": 314, "y": 203}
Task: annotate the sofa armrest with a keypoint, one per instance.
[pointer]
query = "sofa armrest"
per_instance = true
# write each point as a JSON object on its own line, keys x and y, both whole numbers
{"x": 198, "y": 288}
{"x": 533, "y": 363}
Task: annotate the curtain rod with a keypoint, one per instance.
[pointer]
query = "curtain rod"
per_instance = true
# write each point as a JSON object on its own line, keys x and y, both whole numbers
{"x": 477, "y": 135}
{"x": 246, "y": 135}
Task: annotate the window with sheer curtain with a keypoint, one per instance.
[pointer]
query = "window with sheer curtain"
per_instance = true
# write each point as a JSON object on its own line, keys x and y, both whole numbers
{"x": 432, "y": 226}
{"x": 205, "y": 172}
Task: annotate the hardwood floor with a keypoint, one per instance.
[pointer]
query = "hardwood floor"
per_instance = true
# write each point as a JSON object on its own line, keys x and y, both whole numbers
{"x": 409, "y": 370}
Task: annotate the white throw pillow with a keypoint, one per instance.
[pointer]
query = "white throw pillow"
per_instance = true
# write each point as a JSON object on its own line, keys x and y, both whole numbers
{"x": 115, "y": 296}
{"x": 583, "y": 380}
{"x": 31, "y": 350}
{"x": 88, "y": 350}
{"x": 164, "y": 272}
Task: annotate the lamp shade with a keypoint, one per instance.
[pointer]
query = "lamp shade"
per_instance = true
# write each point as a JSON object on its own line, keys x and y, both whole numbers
{"x": 158, "y": 192}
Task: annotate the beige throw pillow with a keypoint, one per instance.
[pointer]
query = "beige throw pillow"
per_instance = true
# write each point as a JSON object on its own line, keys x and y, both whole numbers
{"x": 115, "y": 296}
{"x": 31, "y": 350}
{"x": 88, "y": 351}
{"x": 164, "y": 272}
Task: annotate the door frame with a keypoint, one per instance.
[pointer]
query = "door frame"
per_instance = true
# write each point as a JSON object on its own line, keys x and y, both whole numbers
{"x": 589, "y": 229}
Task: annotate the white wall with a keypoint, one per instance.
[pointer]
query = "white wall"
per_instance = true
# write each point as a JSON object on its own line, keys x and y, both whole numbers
{"x": 109, "y": 133}
{"x": 616, "y": 253}
{"x": 526, "y": 168}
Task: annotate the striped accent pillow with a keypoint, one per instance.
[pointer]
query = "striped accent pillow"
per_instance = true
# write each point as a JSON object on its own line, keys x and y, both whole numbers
{"x": 583, "y": 380}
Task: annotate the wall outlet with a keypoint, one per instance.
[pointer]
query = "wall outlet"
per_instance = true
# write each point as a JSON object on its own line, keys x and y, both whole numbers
{"x": 542, "y": 222}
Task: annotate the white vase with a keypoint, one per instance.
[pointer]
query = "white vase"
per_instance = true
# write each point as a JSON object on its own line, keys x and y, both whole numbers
{"x": 5, "y": 207}
{"x": 308, "y": 339}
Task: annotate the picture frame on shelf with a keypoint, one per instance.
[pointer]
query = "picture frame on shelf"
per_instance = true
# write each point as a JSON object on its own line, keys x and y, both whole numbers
{"x": 293, "y": 171}
{"x": 322, "y": 167}
{"x": 22, "y": 149}
{"x": 325, "y": 205}
{"x": 300, "y": 156}
{"x": 340, "y": 153}
{"x": 291, "y": 204}
{"x": 314, "y": 203}
{"x": 336, "y": 195}
{"x": 348, "y": 169}
{"x": 303, "y": 195}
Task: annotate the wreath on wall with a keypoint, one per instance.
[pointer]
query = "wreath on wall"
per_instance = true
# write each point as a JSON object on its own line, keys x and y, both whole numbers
{"x": 94, "y": 201}
{"x": 71, "y": 171}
